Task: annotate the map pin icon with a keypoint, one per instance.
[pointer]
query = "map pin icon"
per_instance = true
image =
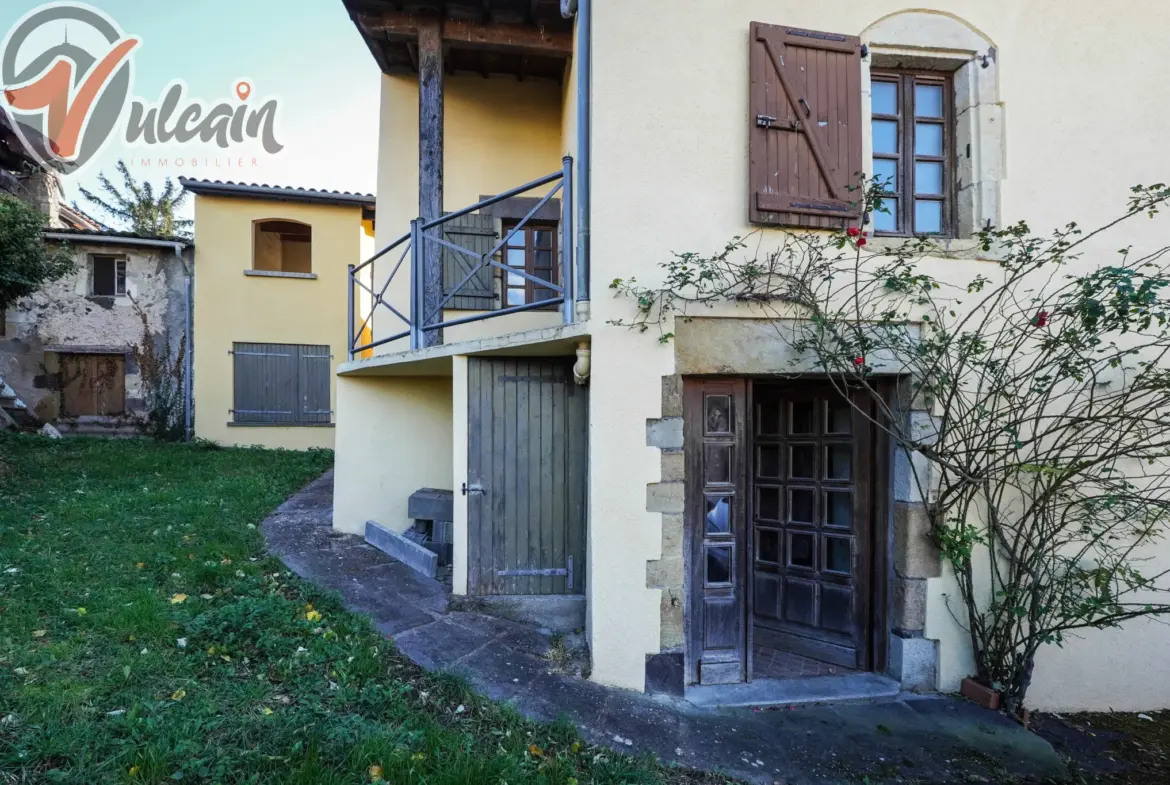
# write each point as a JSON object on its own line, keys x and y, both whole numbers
{"x": 243, "y": 90}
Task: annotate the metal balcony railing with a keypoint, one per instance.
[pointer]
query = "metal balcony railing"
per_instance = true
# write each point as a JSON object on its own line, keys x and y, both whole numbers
{"x": 423, "y": 244}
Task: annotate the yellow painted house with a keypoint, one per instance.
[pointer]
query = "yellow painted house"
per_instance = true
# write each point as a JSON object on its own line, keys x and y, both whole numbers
{"x": 269, "y": 322}
{"x": 532, "y": 153}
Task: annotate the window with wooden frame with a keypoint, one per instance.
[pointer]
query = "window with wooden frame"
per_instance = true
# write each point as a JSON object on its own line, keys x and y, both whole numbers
{"x": 533, "y": 249}
{"x": 913, "y": 135}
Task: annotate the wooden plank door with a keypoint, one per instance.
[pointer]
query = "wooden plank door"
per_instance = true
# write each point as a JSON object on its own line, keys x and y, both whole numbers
{"x": 92, "y": 384}
{"x": 527, "y": 444}
{"x": 811, "y": 523}
{"x": 716, "y": 526}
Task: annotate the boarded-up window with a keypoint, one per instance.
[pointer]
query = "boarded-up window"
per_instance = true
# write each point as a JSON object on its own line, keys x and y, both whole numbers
{"x": 282, "y": 246}
{"x": 281, "y": 383}
{"x": 806, "y": 127}
{"x": 92, "y": 385}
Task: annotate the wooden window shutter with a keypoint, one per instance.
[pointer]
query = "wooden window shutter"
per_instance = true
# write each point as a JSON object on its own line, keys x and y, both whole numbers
{"x": 265, "y": 382}
{"x": 475, "y": 233}
{"x": 313, "y": 384}
{"x": 805, "y": 151}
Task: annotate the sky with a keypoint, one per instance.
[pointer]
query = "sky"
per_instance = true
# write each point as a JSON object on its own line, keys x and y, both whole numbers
{"x": 307, "y": 54}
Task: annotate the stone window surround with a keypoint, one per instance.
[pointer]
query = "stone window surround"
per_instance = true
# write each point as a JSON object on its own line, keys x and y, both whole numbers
{"x": 932, "y": 41}
{"x": 912, "y": 658}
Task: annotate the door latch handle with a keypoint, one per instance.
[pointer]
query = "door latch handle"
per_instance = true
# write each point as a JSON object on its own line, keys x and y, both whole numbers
{"x": 473, "y": 488}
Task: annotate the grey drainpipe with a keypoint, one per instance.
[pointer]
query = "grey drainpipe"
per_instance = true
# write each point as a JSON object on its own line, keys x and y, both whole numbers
{"x": 188, "y": 357}
{"x": 584, "y": 11}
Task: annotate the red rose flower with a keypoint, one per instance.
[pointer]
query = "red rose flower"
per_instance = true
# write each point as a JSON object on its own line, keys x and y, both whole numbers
{"x": 859, "y": 361}
{"x": 1041, "y": 319}
{"x": 852, "y": 231}
{"x": 861, "y": 241}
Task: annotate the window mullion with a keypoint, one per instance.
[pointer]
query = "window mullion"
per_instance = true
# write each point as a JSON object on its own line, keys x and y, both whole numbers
{"x": 909, "y": 187}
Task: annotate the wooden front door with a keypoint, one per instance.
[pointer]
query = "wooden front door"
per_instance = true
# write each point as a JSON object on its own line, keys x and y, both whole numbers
{"x": 527, "y": 463}
{"x": 92, "y": 384}
{"x": 714, "y": 417}
{"x": 812, "y": 507}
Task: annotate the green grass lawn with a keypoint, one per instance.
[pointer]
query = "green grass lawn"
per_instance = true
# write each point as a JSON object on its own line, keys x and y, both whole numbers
{"x": 145, "y": 636}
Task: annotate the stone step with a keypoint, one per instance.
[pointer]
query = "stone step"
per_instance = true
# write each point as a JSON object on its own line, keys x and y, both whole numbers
{"x": 91, "y": 427}
{"x": 846, "y": 688}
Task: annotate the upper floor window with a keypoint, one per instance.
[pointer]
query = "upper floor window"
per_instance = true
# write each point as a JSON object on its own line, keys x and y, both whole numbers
{"x": 912, "y": 135}
{"x": 533, "y": 249}
{"x": 107, "y": 276}
{"x": 282, "y": 246}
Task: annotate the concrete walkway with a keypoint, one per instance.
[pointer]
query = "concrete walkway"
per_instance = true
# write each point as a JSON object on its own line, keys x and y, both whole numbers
{"x": 916, "y": 739}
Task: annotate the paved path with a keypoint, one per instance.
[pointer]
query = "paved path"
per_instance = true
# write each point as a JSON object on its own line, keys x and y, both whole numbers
{"x": 928, "y": 739}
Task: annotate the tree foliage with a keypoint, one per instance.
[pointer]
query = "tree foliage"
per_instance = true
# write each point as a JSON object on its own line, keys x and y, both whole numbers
{"x": 26, "y": 264}
{"x": 1044, "y": 449}
{"x": 137, "y": 206}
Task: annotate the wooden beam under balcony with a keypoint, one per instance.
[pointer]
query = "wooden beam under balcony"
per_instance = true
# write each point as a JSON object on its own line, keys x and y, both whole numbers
{"x": 518, "y": 39}
{"x": 430, "y": 165}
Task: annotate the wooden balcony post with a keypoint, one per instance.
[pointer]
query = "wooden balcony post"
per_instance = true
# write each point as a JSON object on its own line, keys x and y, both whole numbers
{"x": 430, "y": 165}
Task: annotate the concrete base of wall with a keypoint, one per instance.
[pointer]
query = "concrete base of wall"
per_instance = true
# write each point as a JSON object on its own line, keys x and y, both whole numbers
{"x": 914, "y": 663}
{"x": 556, "y": 612}
{"x": 411, "y": 554}
{"x": 666, "y": 673}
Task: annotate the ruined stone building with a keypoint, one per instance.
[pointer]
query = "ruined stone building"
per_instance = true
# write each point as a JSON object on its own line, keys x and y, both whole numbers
{"x": 66, "y": 352}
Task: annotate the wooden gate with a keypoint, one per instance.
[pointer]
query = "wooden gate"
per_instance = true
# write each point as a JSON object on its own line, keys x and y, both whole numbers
{"x": 527, "y": 443}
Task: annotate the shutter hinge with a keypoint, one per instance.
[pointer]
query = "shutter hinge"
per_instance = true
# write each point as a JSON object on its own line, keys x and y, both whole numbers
{"x": 773, "y": 124}
{"x": 864, "y": 51}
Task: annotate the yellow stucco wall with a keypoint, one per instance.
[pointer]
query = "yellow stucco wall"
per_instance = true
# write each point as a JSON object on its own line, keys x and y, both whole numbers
{"x": 233, "y": 307}
{"x": 394, "y": 436}
{"x": 670, "y": 131}
{"x": 670, "y": 174}
{"x": 499, "y": 133}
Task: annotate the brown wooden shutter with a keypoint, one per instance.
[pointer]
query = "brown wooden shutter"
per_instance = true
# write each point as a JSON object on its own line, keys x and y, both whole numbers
{"x": 805, "y": 151}
{"x": 475, "y": 233}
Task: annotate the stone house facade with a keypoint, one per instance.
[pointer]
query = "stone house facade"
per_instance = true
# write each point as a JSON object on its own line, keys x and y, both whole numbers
{"x": 66, "y": 351}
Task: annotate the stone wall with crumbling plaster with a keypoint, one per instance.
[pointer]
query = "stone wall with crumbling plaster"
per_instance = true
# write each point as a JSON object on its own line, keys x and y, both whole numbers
{"x": 64, "y": 315}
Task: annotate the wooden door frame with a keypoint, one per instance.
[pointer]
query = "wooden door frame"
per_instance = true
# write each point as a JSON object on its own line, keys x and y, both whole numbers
{"x": 880, "y": 540}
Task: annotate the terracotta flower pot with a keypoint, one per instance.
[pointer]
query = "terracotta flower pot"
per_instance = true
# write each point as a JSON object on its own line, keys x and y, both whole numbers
{"x": 984, "y": 696}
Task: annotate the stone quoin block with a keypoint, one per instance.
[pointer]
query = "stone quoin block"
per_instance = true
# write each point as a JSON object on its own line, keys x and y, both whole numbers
{"x": 909, "y": 604}
{"x": 673, "y": 466}
{"x": 666, "y": 434}
{"x": 915, "y": 554}
{"x": 672, "y": 405}
{"x": 665, "y": 497}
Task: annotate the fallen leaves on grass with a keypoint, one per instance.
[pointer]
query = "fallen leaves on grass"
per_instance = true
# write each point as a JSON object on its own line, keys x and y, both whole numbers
{"x": 178, "y": 694}
{"x": 178, "y": 598}
{"x": 40, "y": 633}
